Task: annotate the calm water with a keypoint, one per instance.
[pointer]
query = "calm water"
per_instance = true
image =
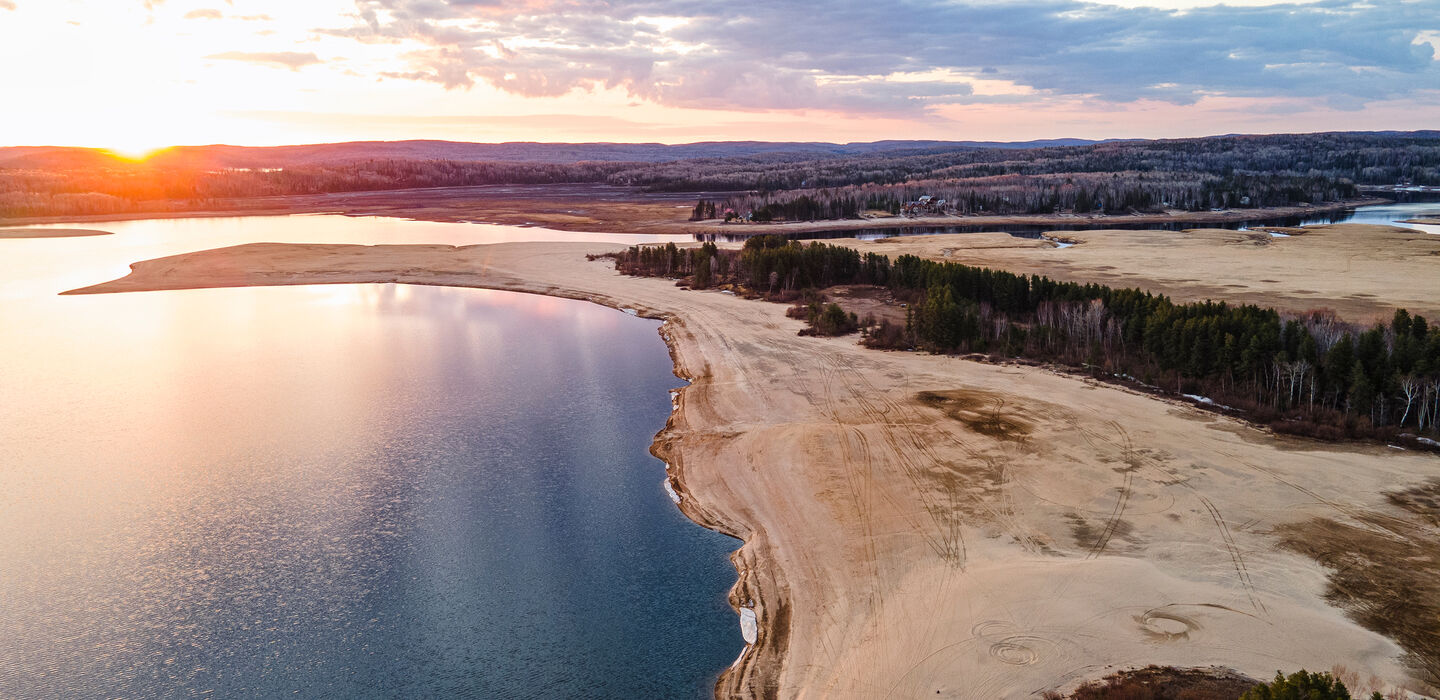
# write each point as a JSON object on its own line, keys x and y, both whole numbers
{"x": 1392, "y": 214}
{"x": 338, "y": 491}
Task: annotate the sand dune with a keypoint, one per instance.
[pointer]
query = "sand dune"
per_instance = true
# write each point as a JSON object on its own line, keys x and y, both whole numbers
{"x": 919, "y": 525}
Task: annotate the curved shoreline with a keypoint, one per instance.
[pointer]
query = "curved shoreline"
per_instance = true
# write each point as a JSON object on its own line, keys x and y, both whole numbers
{"x": 902, "y": 546}
{"x": 663, "y": 447}
{"x": 737, "y": 680}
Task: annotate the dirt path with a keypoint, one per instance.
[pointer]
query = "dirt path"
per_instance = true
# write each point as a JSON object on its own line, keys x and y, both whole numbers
{"x": 918, "y": 525}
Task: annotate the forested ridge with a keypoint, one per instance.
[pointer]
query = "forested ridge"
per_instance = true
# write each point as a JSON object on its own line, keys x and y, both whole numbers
{"x": 1078, "y": 193}
{"x": 1310, "y": 374}
{"x": 1108, "y": 177}
{"x": 1111, "y": 178}
{"x": 1362, "y": 158}
{"x": 141, "y": 187}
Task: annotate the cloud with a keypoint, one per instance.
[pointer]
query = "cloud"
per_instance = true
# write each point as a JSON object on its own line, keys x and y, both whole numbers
{"x": 279, "y": 59}
{"x": 789, "y": 54}
{"x": 203, "y": 14}
{"x": 6, "y": 5}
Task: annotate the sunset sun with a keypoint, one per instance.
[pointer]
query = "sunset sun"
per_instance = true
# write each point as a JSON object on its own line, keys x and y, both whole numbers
{"x": 136, "y": 151}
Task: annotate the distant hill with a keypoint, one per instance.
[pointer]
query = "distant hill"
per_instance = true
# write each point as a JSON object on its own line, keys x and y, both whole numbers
{"x": 221, "y": 156}
{"x": 790, "y": 181}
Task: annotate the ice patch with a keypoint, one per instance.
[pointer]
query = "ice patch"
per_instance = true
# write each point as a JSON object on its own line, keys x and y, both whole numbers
{"x": 1206, "y": 400}
{"x": 670, "y": 489}
{"x": 1279, "y": 235}
{"x": 632, "y": 312}
{"x": 1427, "y": 441}
{"x": 749, "y": 625}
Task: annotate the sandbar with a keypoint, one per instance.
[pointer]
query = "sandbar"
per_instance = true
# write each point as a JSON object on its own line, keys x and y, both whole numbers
{"x": 50, "y": 232}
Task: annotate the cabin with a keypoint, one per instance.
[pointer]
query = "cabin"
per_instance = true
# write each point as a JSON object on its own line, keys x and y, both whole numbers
{"x": 925, "y": 204}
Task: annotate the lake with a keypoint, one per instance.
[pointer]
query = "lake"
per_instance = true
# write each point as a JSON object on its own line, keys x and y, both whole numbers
{"x": 338, "y": 491}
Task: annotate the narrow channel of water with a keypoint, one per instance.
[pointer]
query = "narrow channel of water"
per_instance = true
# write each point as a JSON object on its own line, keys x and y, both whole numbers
{"x": 337, "y": 491}
{"x": 1389, "y": 214}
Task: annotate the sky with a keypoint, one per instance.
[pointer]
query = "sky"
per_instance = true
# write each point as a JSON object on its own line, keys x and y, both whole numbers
{"x": 135, "y": 75}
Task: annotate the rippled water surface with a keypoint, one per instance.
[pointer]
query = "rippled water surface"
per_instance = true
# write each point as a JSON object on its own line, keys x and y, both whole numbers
{"x": 338, "y": 491}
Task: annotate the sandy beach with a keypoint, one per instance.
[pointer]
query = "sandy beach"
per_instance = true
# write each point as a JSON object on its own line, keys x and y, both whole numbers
{"x": 921, "y": 525}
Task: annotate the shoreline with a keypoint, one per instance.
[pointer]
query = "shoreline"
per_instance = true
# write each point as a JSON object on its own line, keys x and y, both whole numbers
{"x": 827, "y": 476}
{"x": 1095, "y": 221}
{"x": 663, "y": 448}
{"x": 654, "y": 213}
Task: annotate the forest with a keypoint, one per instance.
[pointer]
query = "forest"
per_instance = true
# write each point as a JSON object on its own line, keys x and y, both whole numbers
{"x": 1309, "y": 374}
{"x": 1107, "y": 177}
{"x": 1079, "y": 193}
{"x": 1359, "y": 157}
{"x": 125, "y": 186}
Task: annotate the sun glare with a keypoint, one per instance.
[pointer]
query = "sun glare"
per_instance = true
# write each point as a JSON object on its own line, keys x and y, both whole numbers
{"x": 135, "y": 153}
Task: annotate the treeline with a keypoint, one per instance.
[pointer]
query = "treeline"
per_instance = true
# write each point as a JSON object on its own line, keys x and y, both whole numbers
{"x": 125, "y": 187}
{"x": 1307, "y": 374}
{"x": 1359, "y": 157}
{"x": 1081, "y": 193}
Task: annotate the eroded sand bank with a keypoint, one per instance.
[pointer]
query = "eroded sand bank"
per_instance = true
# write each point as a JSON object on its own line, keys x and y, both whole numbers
{"x": 920, "y": 525}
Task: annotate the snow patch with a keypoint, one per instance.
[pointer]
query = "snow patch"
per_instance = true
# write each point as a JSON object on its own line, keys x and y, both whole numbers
{"x": 1274, "y": 234}
{"x": 1206, "y": 400}
{"x": 670, "y": 489}
{"x": 749, "y": 625}
{"x": 632, "y": 312}
{"x": 1427, "y": 441}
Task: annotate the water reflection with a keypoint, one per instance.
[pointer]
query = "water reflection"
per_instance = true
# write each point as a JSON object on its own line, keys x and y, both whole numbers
{"x": 349, "y": 491}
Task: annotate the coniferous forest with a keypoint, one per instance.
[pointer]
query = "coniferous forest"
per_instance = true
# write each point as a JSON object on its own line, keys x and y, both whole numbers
{"x": 1309, "y": 374}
